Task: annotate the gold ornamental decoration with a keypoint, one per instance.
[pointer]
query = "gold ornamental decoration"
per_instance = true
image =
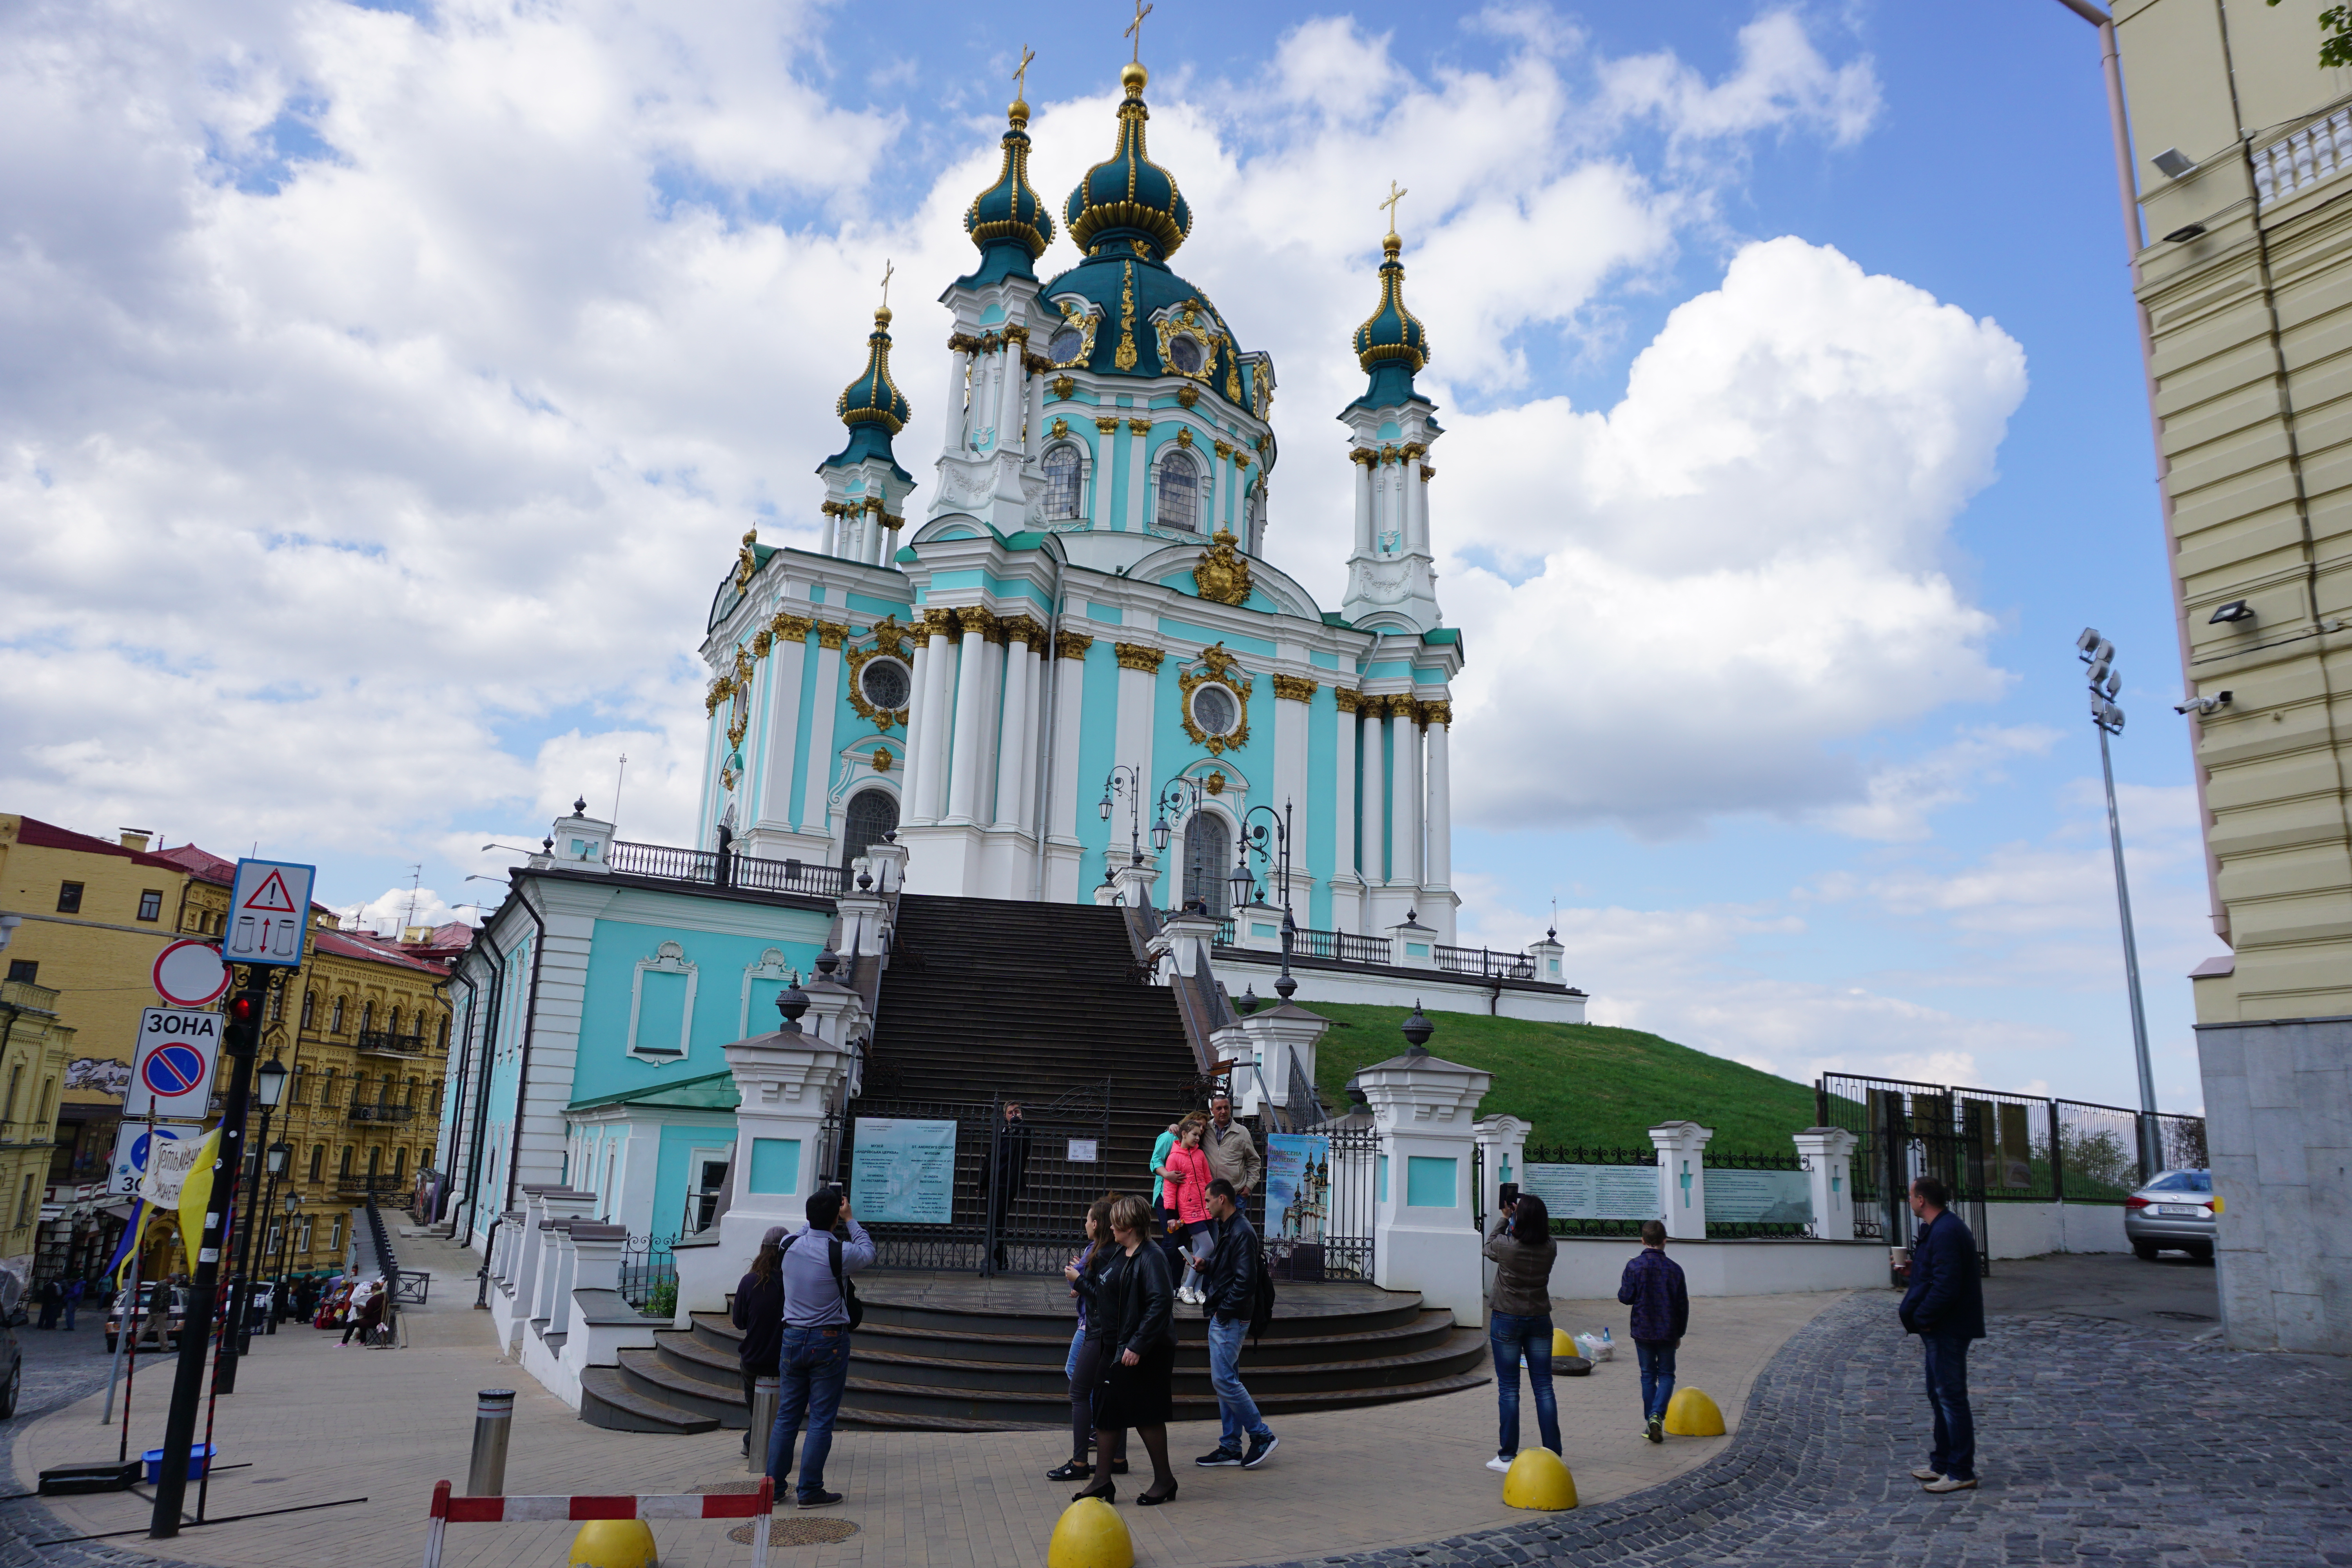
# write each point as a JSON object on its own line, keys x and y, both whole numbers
{"x": 738, "y": 721}
{"x": 790, "y": 629}
{"x": 1138, "y": 656}
{"x": 1348, "y": 701}
{"x": 746, "y": 563}
{"x": 1217, "y": 668}
{"x": 760, "y": 641}
{"x": 1215, "y": 782}
{"x": 1223, "y": 572}
{"x": 1071, "y": 644}
{"x": 1124, "y": 358}
{"x": 1295, "y": 688}
{"x": 889, "y": 639}
{"x": 881, "y": 759}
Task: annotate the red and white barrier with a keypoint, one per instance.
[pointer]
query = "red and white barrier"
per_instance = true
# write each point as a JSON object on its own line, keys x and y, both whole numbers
{"x": 449, "y": 1510}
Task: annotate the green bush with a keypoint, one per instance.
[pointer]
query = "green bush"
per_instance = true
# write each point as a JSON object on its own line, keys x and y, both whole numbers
{"x": 662, "y": 1301}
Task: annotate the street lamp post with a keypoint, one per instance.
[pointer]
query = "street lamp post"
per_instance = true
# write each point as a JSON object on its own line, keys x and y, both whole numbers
{"x": 1276, "y": 858}
{"x": 275, "y": 1160}
{"x": 268, "y": 1087}
{"x": 1125, "y": 780}
{"x": 286, "y": 1255}
{"x": 2099, "y": 655}
{"x": 1181, "y": 797}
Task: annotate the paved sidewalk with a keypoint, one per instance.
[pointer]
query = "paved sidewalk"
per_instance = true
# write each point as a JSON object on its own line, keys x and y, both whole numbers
{"x": 319, "y": 1424}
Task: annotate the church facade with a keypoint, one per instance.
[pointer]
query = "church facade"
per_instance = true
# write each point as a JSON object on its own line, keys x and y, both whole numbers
{"x": 1074, "y": 657}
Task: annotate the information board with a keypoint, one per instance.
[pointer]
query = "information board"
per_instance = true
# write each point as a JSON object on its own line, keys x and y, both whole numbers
{"x": 1297, "y": 1185}
{"x": 1758, "y": 1198}
{"x": 903, "y": 1171}
{"x": 1596, "y": 1191}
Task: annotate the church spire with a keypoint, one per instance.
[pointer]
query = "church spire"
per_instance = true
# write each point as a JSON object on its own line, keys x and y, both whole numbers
{"x": 1127, "y": 200}
{"x": 1392, "y": 345}
{"x": 866, "y": 489}
{"x": 1008, "y": 221}
{"x": 872, "y": 405}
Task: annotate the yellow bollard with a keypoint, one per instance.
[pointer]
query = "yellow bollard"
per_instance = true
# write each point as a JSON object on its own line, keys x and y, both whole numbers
{"x": 1538, "y": 1479}
{"x": 1563, "y": 1343}
{"x": 615, "y": 1544}
{"x": 1691, "y": 1414}
{"x": 1090, "y": 1534}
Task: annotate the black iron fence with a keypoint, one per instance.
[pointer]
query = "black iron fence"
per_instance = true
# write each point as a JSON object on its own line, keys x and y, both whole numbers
{"x": 385, "y": 1042}
{"x": 1485, "y": 963}
{"x": 710, "y": 868}
{"x": 648, "y": 1280}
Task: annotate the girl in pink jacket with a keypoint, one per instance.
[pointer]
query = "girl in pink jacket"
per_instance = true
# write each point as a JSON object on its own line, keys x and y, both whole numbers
{"x": 1187, "y": 1172}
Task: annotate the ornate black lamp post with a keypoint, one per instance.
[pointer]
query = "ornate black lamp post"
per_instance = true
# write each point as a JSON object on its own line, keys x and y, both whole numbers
{"x": 1126, "y": 782}
{"x": 269, "y": 1089}
{"x": 1276, "y": 858}
{"x": 1179, "y": 797}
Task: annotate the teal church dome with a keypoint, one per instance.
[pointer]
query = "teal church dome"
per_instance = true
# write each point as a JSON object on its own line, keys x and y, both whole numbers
{"x": 1008, "y": 221}
{"x": 1127, "y": 197}
{"x": 872, "y": 405}
{"x": 1392, "y": 345}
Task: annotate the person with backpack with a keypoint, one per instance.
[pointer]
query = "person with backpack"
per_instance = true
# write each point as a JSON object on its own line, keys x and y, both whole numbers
{"x": 821, "y": 1308}
{"x": 758, "y": 1310}
{"x": 1237, "y": 1298}
{"x": 1653, "y": 1285}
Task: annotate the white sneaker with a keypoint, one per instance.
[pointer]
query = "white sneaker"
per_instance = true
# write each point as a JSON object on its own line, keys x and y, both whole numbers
{"x": 1499, "y": 1465}
{"x": 1927, "y": 1473}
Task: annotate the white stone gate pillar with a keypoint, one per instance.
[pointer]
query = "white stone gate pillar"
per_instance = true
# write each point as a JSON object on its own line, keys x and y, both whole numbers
{"x": 1424, "y": 1238}
{"x": 1681, "y": 1177}
{"x": 1829, "y": 1150}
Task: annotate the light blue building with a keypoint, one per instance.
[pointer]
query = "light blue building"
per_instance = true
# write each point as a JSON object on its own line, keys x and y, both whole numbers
{"x": 1077, "y": 663}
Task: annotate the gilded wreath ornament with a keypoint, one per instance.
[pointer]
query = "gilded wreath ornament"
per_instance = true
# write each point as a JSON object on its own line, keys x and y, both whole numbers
{"x": 889, "y": 637}
{"x": 1217, "y": 668}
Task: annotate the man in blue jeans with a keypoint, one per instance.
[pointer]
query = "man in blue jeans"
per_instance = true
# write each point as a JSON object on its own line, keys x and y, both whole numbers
{"x": 1653, "y": 1285}
{"x": 1945, "y": 1307}
{"x": 812, "y": 1358}
{"x": 1229, "y": 1292}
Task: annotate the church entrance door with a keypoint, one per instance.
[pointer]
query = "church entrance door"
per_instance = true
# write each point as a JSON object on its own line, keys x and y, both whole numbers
{"x": 1208, "y": 855}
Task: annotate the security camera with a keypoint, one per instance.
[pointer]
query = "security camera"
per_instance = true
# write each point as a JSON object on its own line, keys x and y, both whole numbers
{"x": 2200, "y": 706}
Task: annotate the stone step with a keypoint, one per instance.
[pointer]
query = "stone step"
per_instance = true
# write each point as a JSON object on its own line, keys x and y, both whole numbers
{"x": 1365, "y": 1375}
{"x": 647, "y": 1376}
{"x": 607, "y": 1400}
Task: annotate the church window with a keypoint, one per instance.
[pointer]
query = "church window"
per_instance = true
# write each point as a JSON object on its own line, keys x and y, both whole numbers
{"x": 1061, "y": 467}
{"x": 1207, "y": 861}
{"x": 1066, "y": 345}
{"x": 1215, "y": 711}
{"x": 1186, "y": 353}
{"x": 1179, "y": 494}
{"x": 885, "y": 683}
{"x": 872, "y": 814}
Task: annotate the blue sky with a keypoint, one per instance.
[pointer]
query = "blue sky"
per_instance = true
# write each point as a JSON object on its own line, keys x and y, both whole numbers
{"x": 389, "y": 386}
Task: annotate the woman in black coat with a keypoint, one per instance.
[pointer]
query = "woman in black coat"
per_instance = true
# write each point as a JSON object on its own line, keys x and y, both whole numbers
{"x": 1133, "y": 1314}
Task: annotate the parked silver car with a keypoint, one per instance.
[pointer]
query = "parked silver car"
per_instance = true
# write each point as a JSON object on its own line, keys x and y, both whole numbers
{"x": 2175, "y": 1211}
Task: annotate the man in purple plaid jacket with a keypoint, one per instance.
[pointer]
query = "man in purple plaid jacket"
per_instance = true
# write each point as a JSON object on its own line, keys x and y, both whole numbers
{"x": 1653, "y": 1286}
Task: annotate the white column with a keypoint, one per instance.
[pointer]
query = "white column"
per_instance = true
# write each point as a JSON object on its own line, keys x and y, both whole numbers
{"x": 1416, "y": 506}
{"x": 970, "y": 723}
{"x": 1376, "y": 740}
{"x": 1343, "y": 818}
{"x": 1290, "y": 719}
{"x": 1139, "y": 481}
{"x": 833, "y": 522}
{"x": 1013, "y": 747}
{"x": 876, "y": 542}
{"x": 1440, "y": 834}
{"x": 1011, "y": 397}
{"x": 1069, "y": 708}
{"x": 1405, "y": 786}
{"x": 958, "y": 373}
{"x": 1681, "y": 1177}
{"x": 816, "y": 786}
{"x": 1137, "y": 698}
{"x": 935, "y": 660}
{"x": 786, "y": 655}
{"x": 1363, "y": 507}
{"x": 1034, "y": 428}
{"x": 1829, "y": 1153}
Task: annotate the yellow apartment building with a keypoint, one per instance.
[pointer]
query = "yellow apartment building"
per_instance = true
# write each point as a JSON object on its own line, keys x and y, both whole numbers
{"x": 35, "y": 1045}
{"x": 2241, "y": 149}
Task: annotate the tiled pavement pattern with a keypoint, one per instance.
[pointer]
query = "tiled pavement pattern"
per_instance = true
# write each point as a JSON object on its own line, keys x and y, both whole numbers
{"x": 2098, "y": 1443}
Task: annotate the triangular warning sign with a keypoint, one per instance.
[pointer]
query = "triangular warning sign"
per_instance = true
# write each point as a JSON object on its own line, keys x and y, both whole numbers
{"x": 271, "y": 896}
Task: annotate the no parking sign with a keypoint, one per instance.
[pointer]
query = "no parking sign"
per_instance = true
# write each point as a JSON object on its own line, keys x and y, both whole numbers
{"x": 172, "y": 1070}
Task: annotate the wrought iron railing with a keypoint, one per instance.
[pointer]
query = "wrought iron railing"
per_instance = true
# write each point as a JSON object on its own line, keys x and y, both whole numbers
{"x": 709, "y": 868}
{"x": 648, "y": 1266}
{"x": 379, "y": 1112}
{"x": 390, "y": 1044}
{"x": 1485, "y": 963}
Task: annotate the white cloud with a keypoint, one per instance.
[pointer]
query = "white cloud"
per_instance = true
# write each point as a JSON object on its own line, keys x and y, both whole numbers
{"x": 396, "y": 909}
{"x": 1901, "y": 796}
{"x": 1781, "y": 79}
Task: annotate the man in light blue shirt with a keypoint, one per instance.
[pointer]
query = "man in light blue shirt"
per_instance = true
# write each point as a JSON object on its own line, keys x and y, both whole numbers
{"x": 812, "y": 1360}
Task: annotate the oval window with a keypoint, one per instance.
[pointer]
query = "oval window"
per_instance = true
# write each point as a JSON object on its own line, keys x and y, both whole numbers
{"x": 884, "y": 683}
{"x": 1186, "y": 353}
{"x": 1215, "y": 710}
{"x": 1066, "y": 345}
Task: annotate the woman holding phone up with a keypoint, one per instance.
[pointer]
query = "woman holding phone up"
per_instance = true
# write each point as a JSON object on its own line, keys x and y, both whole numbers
{"x": 1520, "y": 1322}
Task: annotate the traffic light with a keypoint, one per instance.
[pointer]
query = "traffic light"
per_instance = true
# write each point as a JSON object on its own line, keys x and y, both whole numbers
{"x": 244, "y": 1031}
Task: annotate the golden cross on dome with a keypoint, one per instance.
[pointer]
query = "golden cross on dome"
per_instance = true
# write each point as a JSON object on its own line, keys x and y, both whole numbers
{"x": 1134, "y": 29}
{"x": 1021, "y": 77}
{"x": 1395, "y": 196}
{"x": 888, "y": 268}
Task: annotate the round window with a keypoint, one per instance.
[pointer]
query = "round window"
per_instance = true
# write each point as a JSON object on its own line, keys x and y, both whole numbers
{"x": 1186, "y": 353}
{"x": 1066, "y": 344}
{"x": 884, "y": 682}
{"x": 1215, "y": 710}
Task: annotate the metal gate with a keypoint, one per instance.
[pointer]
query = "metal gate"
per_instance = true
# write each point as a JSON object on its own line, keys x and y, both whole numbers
{"x": 1020, "y": 1190}
{"x": 1327, "y": 1227}
{"x": 1906, "y": 1131}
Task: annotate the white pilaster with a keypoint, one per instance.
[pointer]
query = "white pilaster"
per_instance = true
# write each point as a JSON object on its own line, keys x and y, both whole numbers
{"x": 1439, "y": 874}
{"x": 1829, "y": 1153}
{"x": 1067, "y": 677}
{"x": 1138, "y": 694}
{"x": 971, "y": 724}
{"x": 1347, "y": 898}
{"x": 1012, "y": 741}
{"x": 958, "y": 378}
{"x": 816, "y": 783}
{"x": 1404, "y": 780}
{"x": 932, "y": 787}
{"x": 1681, "y": 1177}
{"x": 1290, "y": 718}
{"x": 1363, "y": 507}
{"x": 1139, "y": 481}
{"x": 1375, "y": 742}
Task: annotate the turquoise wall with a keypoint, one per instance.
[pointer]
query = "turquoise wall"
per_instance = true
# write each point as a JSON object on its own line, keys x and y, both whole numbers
{"x": 604, "y": 1066}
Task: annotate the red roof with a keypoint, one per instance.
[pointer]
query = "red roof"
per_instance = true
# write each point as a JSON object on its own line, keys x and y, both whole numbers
{"x": 374, "y": 950}
{"x": 201, "y": 863}
{"x": 39, "y": 835}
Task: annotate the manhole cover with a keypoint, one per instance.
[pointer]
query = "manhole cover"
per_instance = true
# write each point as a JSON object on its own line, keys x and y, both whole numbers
{"x": 2185, "y": 1317}
{"x": 796, "y": 1532}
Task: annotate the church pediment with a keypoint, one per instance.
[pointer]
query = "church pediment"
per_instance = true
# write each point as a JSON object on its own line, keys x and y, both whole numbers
{"x": 1270, "y": 592}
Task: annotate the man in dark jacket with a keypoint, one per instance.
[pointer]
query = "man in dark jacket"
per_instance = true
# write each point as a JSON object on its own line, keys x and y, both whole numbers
{"x": 1653, "y": 1285}
{"x": 1229, "y": 1294}
{"x": 1945, "y": 1307}
{"x": 1008, "y": 1174}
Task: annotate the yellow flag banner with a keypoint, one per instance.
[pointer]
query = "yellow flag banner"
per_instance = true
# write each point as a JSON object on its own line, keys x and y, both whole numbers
{"x": 196, "y": 1194}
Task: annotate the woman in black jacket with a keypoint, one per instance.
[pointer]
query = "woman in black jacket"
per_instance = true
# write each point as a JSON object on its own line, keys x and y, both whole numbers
{"x": 758, "y": 1310}
{"x": 1132, "y": 1312}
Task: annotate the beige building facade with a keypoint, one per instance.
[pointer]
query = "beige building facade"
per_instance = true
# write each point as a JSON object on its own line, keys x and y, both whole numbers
{"x": 2241, "y": 149}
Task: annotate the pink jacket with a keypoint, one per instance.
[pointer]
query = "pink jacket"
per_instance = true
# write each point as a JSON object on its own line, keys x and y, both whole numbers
{"x": 1188, "y": 1189}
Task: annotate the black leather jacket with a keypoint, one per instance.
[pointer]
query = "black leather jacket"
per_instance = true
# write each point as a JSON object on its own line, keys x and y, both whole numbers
{"x": 1133, "y": 1307}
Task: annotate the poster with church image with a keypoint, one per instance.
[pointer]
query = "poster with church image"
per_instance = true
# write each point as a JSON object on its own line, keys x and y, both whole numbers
{"x": 903, "y": 1171}
{"x": 1297, "y": 1185}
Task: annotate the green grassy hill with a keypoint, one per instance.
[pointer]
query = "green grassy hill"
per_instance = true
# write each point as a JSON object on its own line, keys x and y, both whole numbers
{"x": 1577, "y": 1083}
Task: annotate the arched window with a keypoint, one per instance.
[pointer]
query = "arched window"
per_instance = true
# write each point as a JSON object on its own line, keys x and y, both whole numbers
{"x": 375, "y": 1163}
{"x": 393, "y": 1026}
{"x": 872, "y": 814}
{"x": 345, "y": 1168}
{"x": 1207, "y": 861}
{"x": 310, "y": 1007}
{"x": 318, "y": 1159}
{"x": 1061, "y": 468}
{"x": 335, "y": 1018}
{"x": 367, "y": 1016}
{"x": 276, "y": 1003}
{"x": 1180, "y": 493}
{"x": 400, "y": 1166}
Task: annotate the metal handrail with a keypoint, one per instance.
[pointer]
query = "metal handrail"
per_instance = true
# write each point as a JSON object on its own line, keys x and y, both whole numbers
{"x": 377, "y": 1112}
{"x": 708, "y": 867}
{"x": 386, "y": 1041}
{"x": 1484, "y": 962}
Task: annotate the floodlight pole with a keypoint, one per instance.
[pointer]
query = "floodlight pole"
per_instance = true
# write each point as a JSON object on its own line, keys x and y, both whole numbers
{"x": 2107, "y": 719}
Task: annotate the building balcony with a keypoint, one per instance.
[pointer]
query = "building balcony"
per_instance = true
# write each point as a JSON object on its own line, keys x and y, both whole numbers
{"x": 369, "y": 1110}
{"x": 384, "y": 1043}
{"x": 709, "y": 868}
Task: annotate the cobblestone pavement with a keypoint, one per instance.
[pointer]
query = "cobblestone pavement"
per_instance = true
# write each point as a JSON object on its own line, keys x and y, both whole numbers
{"x": 61, "y": 1368}
{"x": 2097, "y": 1442}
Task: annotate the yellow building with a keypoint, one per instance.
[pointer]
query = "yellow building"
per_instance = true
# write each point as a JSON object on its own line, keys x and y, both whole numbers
{"x": 2241, "y": 147}
{"x": 35, "y": 1045}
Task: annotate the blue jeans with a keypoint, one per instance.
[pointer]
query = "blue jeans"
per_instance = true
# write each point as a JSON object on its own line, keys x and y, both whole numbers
{"x": 1658, "y": 1359}
{"x": 1234, "y": 1402}
{"x": 1948, "y": 1395}
{"x": 1070, "y": 1363}
{"x": 1513, "y": 1336}
{"x": 811, "y": 1365}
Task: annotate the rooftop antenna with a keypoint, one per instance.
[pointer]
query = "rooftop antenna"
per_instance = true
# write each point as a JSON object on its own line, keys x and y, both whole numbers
{"x": 618, "y": 777}
{"x": 416, "y": 876}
